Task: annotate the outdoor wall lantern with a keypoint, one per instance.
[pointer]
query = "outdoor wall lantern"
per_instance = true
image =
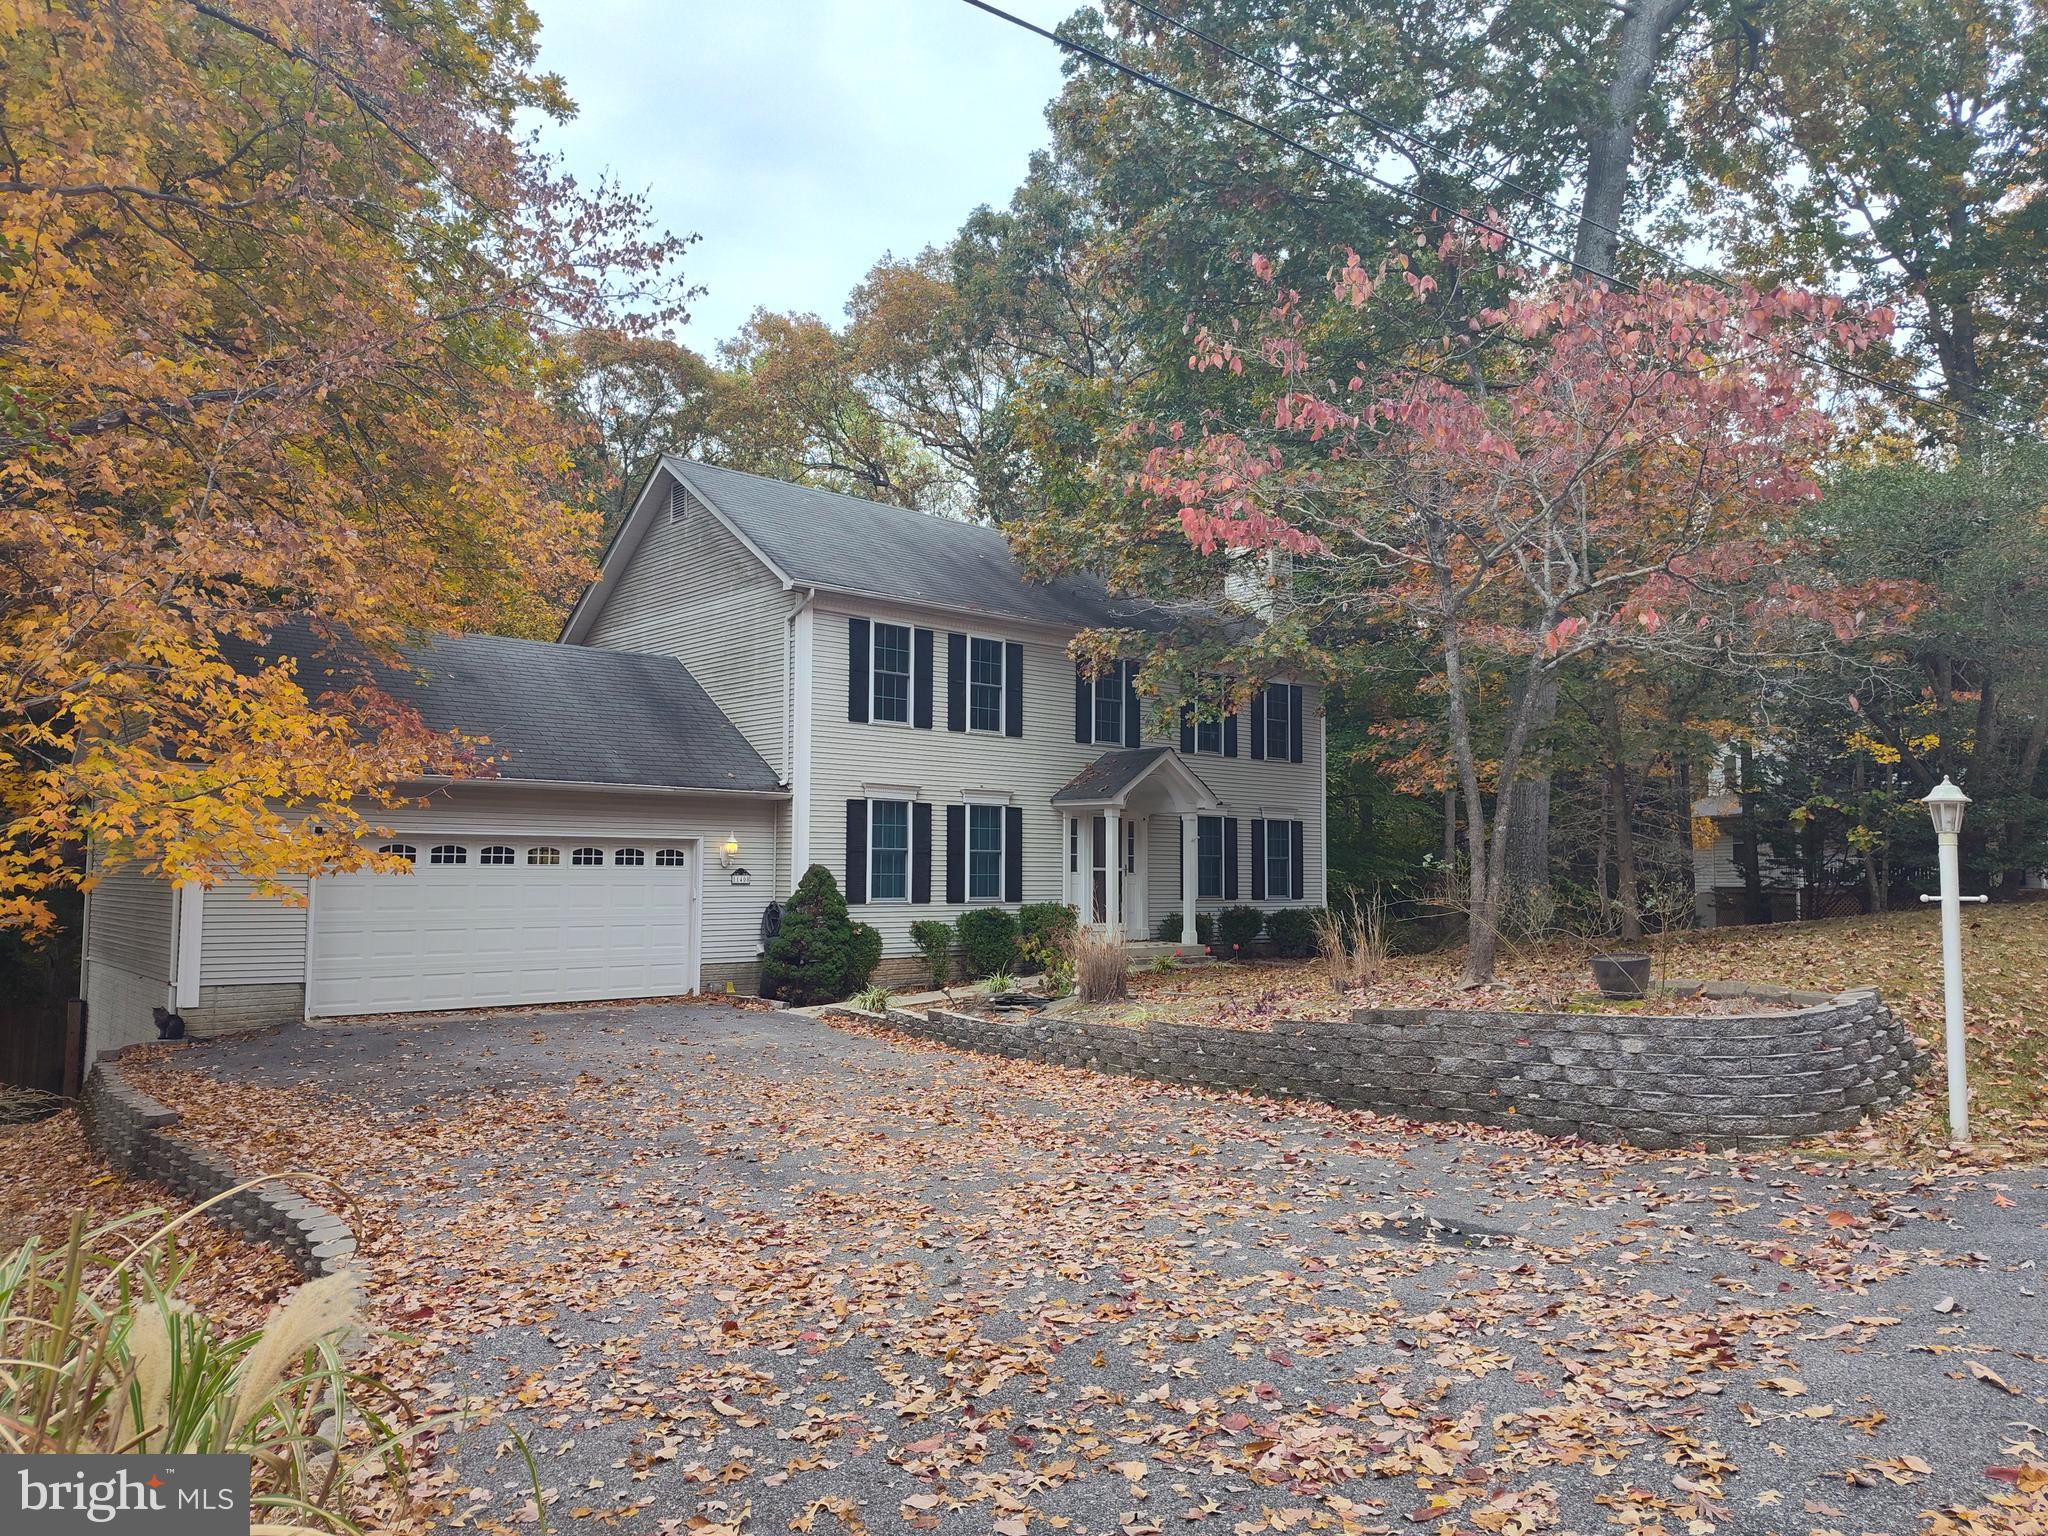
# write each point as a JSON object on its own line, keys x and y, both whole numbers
{"x": 730, "y": 851}
{"x": 1945, "y": 805}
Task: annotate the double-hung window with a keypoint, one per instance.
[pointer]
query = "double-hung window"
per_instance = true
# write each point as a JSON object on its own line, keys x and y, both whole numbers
{"x": 889, "y": 849}
{"x": 1279, "y": 721}
{"x": 1209, "y": 857}
{"x": 984, "y": 853}
{"x": 984, "y": 684}
{"x": 1209, "y": 733}
{"x": 1279, "y": 856}
{"x": 890, "y": 695}
{"x": 1109, "y": 702}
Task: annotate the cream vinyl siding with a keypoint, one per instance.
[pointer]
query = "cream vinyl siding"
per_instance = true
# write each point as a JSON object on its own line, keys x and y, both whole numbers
{"x": 252, "y": 940}
{"x": 881, "y": 760}
{"x": 129, "y": 922}
{"x": 693, "y": 591}
{"x": 129, "y": 930}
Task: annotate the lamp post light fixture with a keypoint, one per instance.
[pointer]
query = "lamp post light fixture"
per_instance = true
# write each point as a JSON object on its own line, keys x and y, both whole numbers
{"x": 1945, "y": 806}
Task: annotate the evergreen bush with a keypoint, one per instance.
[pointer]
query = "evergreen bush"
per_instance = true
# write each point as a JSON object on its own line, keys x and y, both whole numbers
{"x": 988, "y": 941}
{"x": 1236, "y": 928}
{"x": 1044, "y": 930}
{"x": 821, "y": 955}
{"x": 1293, "y": 931}
{"x": 935, "y": 939}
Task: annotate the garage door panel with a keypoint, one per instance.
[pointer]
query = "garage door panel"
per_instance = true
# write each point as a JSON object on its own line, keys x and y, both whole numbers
{"x": 472, "y": 934}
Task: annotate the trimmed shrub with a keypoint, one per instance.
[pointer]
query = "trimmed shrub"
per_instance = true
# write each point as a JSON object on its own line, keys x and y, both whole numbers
{"x": 935, "y": 940}
{"x": 1293, "y": 931}
{"x": 988, "y": 941}
{"x": 1046, "y": 920}
{"x": 1167, "y": 929}
{"x": 1205, "y": 928}
{"x": 1237, "y": 927}
{"x": 821, "y": 955}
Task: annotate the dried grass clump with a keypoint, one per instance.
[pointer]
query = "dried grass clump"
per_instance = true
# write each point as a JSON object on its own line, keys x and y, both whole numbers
{"x": 1102, "y": 967}
{"x": 1351, "y": 936}
{"x": 98, "y": 1354}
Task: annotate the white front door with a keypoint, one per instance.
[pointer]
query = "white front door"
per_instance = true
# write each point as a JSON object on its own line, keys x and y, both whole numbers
{"x": 486, "y": 922}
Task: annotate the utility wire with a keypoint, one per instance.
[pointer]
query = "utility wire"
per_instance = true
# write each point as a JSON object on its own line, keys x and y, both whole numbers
{"x": 1279, "y": 136}
{"x": 1389, "y": 130}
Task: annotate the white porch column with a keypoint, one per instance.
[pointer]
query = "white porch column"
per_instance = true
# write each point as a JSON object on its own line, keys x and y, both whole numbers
{"x": 1113, "y": 872}
{"x": 1190, "y": 875}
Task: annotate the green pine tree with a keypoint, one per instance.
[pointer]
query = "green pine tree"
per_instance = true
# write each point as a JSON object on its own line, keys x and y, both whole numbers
{"x": 821, "y": 955}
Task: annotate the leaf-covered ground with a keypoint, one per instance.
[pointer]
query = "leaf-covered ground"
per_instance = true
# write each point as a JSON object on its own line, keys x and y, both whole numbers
{"x": 2005, "y": 965}
{"x": 730, "y": 1271}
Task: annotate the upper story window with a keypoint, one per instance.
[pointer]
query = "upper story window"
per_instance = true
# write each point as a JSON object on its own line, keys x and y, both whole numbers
{"x": 1279, "y": 712}
{"x": 888, "y": 850}
{"x": 890, "y": 698}
{"x": 984, "y": 684}
{"x": 1110, "y": 685}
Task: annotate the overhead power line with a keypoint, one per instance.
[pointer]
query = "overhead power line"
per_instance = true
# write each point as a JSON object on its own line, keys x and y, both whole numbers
{"x": 1416, "y": 195}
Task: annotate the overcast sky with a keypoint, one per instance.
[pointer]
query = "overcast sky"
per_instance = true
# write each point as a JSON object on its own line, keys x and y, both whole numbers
{"x": 800, "y": 138}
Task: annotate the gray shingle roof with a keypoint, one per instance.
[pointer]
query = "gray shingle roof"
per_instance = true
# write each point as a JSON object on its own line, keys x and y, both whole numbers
{"x": 568, "y": 714}
{"x": 1108, "y": 776}
{"x": 844, "y": 544}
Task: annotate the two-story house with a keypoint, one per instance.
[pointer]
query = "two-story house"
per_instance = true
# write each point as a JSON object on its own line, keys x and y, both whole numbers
{"x": 764, "y": 676}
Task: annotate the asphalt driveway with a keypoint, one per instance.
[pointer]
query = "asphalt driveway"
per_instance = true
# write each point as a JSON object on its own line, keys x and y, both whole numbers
{"x": 731, "y": 1270}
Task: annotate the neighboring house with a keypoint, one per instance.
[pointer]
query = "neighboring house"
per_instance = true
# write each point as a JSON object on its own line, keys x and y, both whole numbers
{"x": 763, "y": 677}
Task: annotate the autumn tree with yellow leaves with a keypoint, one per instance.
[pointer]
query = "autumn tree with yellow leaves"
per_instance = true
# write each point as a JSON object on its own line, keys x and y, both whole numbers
{"x": 277, "y": 279}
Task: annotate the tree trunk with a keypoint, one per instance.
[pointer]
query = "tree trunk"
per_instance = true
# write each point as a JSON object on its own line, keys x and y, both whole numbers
{"x": 1610, "y": 154}
{"x": 1749, "y": 847}
{"x": 1627, "y": 898}
{"x": 1451, "y": 828}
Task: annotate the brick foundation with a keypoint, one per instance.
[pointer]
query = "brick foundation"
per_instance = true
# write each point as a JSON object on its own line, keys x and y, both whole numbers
{"x": 126, "y": 1127}
{"x": 1726, "y": 1081}
{"x": 234, "y": 1010}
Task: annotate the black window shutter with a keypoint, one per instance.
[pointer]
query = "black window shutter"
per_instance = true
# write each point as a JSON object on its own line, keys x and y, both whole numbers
{"x": 856, "y": 669}
{"x": 956, "y": 855}
{"x": 1259, "y": 722}
{"x": 1013, "y": 853}
{"x": 1084, "y": 706}
{"x": 956, "y": 682}
{"x": 1230, "y": 858}
{"x": 856, "y": 847}
{"x": 1013, "y": 689}
{"x": 921, "y": 684}
{"x": 1258, "y": 859}
{"x": 1187, "y": 729}
{"x": 1294, "y": 840}
{"x": 1131, "y": 733}
{"x": 1230, "y": 734}
{"x": 1294, "y": 726}
{"x": 921, "y": 852}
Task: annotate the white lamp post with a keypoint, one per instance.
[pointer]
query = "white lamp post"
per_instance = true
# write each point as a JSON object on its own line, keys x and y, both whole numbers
{"x": 1945, "y": 805}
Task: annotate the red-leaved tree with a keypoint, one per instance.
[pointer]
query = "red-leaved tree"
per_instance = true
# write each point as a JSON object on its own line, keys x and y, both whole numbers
{"x": 1576, "y": 470}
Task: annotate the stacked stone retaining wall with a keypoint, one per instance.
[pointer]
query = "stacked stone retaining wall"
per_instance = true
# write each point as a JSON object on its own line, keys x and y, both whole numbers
{"x": 127, "y": 1128}
{"x": 1740, "y": 1081}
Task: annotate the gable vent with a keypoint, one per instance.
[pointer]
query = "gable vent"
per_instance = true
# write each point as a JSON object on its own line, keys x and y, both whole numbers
{"x": 678, "y": 503}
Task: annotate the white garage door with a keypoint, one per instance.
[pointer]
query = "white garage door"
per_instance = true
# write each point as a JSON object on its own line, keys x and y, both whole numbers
{"x": 486, "y": 922}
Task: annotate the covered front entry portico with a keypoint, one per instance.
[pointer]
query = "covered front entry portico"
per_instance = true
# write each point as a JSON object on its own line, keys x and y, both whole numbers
{"x": 1108, "y": 812}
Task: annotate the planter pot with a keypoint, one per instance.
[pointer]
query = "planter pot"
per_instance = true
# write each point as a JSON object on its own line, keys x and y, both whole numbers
{"x": 1622, "y": 976}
